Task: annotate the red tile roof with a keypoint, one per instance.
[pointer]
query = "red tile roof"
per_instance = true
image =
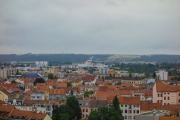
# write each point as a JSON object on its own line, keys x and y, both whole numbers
{"x": 7, "y": 108}
{"x": 129, "y": 100}
{"x": 57, "y": 91}
{"x": 38, "y": 116}
{"x": 104, "y": 95}
{"x": 163, "y": 87}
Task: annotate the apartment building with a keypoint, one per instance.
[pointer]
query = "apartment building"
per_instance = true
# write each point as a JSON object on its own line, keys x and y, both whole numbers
{"x": 7, "y": 71}
{"x": 166, "y": 94}
{"x": 162, "y": 75}
{"x": 130, "y": 107}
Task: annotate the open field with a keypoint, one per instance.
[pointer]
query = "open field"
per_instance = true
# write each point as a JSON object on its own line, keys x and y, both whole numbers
{"x": 124, "y": 56}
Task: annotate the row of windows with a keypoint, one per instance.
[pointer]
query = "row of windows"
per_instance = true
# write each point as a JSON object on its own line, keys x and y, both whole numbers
{"x": 36, "y": 97}
{"x": 130, "y": 105}
{"x": 84, "y": 110}
{"x": 167, "y": 98}
{"x": 160, "y": 95}
{"x": 159, "y": 101}
{"x": 130, "y": 111}
{"x": 84, "y": 116}
{"x": 133, "y": 82}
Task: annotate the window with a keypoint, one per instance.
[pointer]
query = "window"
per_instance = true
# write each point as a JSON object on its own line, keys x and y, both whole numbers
{"x": 134, "y": 111}
{"x": 125, "y": 111}
{"x": 164, "y": 98}
{"x": 158, "y": 95}
{"x": 121, "y": 105}
{"x": 125, "y": 117}
{"x": 168, "y": 98}
{"x": 164, "y": 93}
{"x": 137, "y": 111}
{"x": 129, "y": 111}
{"x": 179, "y": 100}
{"x": 125, "y": 105}
{"x": 179, "y": 94}
{"x": 86, "y": 110}
{"x": 161, "y": 95}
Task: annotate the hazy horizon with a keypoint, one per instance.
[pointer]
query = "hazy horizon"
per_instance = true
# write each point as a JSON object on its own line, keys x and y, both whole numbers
{"x": 90, "y": 27}
{"x": 84, "y": 54}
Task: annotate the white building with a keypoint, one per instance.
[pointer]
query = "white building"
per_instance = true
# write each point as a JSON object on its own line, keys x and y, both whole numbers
{"x": 37, "y": 96}
{"x": 41, "y": 63}
{"x": 130, "y": 107}
{"x": 162, "y": 75}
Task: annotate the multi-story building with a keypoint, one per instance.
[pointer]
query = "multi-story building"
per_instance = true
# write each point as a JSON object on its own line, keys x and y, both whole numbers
{"x": 57, "y": 94}
{"x": 133, "y": 80}
{"x": 165, "y": 93}
{"x": 7, "y": 71}
{"x": 37, "y": 96}
{"x": 130, "y": 106}
{"x": 162, "y": 75}
{"x": 85, "y": 109}
{"x": 41, "y": 63}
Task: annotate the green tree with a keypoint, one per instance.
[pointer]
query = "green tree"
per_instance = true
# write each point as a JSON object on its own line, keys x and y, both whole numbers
{"x": 69, "y": 84}
{"x": 74, "y": 105}
{"x": 116, "y": 106}
{"x": 65, "y": 116}
{"x": 50, "y": 76}
{"x": 86, "y": 94}
{"x": 63, "y": 112}
{"x": 94, "y": 115}
{"x": 154, "y": 75}
{"x": 108, "y": 113}
{"x": 13, "y": 81}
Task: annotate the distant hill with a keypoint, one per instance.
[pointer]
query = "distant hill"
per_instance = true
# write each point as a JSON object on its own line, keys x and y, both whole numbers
{"x": 84, "y": 57}
{"x": 159, "y": 58}
{"x": 52, "y": 57}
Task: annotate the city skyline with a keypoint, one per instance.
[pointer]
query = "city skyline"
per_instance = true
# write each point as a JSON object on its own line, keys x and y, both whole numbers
{"x": 90, "y": 27}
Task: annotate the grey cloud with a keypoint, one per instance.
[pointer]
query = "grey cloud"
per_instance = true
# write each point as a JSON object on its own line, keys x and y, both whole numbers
{"x": 104, "y": 26}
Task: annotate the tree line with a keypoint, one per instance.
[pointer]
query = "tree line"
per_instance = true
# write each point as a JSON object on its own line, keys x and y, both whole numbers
{"x": 72, "y": 111}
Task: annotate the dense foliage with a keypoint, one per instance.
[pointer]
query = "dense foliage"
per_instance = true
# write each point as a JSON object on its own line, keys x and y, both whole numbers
{"x": 116, "y": 106}
{"x": 70, "y": 111}
{"x": 74, "y": 105}
{"x": 149, "y": 69}
{"x": 107, "y": 112}
{"x": 50, "y": 76}
{"x": 63, "y": 112}
{"x": 53, "y": 58}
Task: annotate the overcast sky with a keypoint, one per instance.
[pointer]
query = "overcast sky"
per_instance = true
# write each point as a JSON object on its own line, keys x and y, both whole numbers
{"x": 90, "y": 26}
